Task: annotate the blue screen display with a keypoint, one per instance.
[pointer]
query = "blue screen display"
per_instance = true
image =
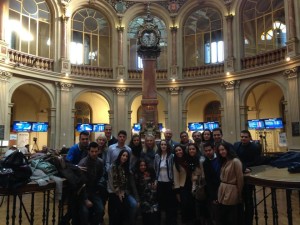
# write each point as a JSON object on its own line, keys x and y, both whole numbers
{"x": 21, "y": 126}
{"x": 160, "y": 126}
{"x": 84, "y": 127}
{"x": 275, "y": 123}
{"x": 39, "y": 127}
{"x": 98, "y": 127}
{"x": 137, "y": 127}
{"x": 256, "y": 124}
{"x": 196, "y": 126}
{"x": 211, "y": 125}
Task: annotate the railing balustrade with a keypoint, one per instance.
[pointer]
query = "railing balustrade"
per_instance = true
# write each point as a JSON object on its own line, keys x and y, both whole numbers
{"x": 91, "y": 71}
{"x": 211, "y": 70}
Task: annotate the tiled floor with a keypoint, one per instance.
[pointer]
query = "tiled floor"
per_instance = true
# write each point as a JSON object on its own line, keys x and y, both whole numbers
{"x": 38, "y": 210}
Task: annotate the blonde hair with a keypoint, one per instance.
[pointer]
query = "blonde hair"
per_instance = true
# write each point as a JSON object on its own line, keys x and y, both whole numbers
{"x": 101, "y": 136}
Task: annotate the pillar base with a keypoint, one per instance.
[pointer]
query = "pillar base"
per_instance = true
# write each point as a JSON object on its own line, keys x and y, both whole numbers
{"x": 292, "y": 47}
{"x": 120, "y": 72}
{"x": 229, "y": 64}
{"x": 65, "y": 66}
{"x": 3, "y": 50}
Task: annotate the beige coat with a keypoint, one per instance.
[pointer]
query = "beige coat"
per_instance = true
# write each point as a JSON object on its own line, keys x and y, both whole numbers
{"x": 179, "y": 177}
{"x": 232, "y": 181}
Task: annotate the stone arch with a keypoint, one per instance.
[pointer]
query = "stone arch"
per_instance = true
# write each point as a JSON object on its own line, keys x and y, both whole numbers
{"x": 106, "y": 96}
{"x": 42, "y": 86}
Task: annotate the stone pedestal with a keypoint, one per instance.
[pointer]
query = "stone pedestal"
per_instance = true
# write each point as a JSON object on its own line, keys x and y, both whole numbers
{"x": 65, "y": 66}
{"x": 120, "y": 72}
{"x": 292, "y": 47}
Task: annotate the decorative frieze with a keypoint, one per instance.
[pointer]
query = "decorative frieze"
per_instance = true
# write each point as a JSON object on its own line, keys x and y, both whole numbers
{"x": 229, "y": 85}
{"x": 121, "y": 90}
{"x": 4, "y": 75}
{"x": 64, "y": 86}
{"x": 174, "y": 90}
{"x": 291, "y": 73}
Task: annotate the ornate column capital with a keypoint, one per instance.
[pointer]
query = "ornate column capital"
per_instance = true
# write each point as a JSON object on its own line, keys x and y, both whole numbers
{"x": 121, "y": 90}
{"x": 64, "y": 86}
{"x": 229, "y": 18}
{"x": 120, "y": 29}
{"x": 291, "y": 73}
{"x": 174, "y": 90}
{"x": 174, "y": 29}
{"x": 230, "y": 85}
{"x": 4, "y": 75}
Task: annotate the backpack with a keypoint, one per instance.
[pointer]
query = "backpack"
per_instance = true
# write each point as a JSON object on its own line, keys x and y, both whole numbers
{"x": 21, "y": 171}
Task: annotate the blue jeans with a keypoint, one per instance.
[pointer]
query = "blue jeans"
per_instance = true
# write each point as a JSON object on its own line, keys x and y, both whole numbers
{"x": 119, "y": 212}
{"x": 91, "y": 216}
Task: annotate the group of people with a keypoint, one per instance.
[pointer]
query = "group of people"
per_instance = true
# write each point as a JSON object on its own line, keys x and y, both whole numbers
{"x": 150, "y": 178}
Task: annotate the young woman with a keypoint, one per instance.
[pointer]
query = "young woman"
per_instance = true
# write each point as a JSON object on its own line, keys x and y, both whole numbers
{"x": 136, "y": 149}
{"x": 183, "y": 185}
{"x": 149, "y": 150}
{"x": 122, "y": 206}
{"x": 163, "y": 165}
{"x": 206, "y": 137}
{"x": 146, "y": 187}
{"x": 230, "y": 190}
{"x": 197, "y": 176}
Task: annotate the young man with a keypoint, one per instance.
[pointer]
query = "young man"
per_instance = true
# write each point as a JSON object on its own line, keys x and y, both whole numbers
{"x": 212, "y": 167}
{"x": 250, "y": 155}
{"x": 91, "y": 206}
{"x": 114, "y": 150}
{"x": 108, "y": 134}
{"x": 79, "y": 151}
{"x": 218, "y": 138}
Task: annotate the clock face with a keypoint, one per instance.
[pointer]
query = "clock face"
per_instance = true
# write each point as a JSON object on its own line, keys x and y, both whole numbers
{"x": 149, "y": 38}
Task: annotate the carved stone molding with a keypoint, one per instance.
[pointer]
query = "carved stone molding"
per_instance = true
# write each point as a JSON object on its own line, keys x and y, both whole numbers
{"x": 64, "y": 86}
{"x": 291, "y": 73}
{"x": 120, "y": 29}
{"x": 229, "y": 85}
{"x": 4, "y": 75}
{"x": 121, "y": 90}
{"x": 174, "y": 90}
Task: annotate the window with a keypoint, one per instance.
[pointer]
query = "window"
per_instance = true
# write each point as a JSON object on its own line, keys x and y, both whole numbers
{"x": 264, "y": 26}
{"x": 91, "y": 41}
{"x": 203, "y": 38}
{"x": 212, "y": 112}
{"x": 134, "y": 61}
{"x": 29, "y": 27}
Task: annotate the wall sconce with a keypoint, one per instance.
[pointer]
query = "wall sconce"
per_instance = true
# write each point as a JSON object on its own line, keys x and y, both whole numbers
{"x": 121, "y": 80}
{"x": 228, "y": 74}
{"x": 67, "y": 75}
{"x": 287, "y": 59}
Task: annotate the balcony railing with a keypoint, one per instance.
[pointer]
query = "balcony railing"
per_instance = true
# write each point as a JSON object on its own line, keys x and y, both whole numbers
{"x": 264, "y": 59}
{"x": 91, "y": 71}
{"x": 203, "y": 71}
{"x": 30, "y": 60}
{"x": 137, "y": 74}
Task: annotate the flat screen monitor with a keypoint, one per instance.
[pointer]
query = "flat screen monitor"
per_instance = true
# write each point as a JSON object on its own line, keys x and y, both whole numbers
{"x": 137, "y": 127}
{"x": 84, "y": 127}
{"x": 99, "y": 127}
{"x": 256, "y": 124}
{"x": 211, "y": 125}
{"x": 21, "y": 126}
{"x": 273, "y": 123}
{"x": 39, "y": 127}
{"x": 195, "y": 126}
{"x": 160, "y": 126}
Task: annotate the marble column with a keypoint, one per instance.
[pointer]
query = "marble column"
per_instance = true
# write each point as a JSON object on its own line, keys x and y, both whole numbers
{"x": 121, "y": 99}
{"x": 51, "y": 132}
{"x": 293, "y": 107}
{"x": 65, "y": 115}
{"x": 5, "y": 108}
{"x": 175, "y": 98}
{"x": 293, "y": 42}
{"x": 229, "y": 66}
{"x": 243, "y": 117}
{"x": 4, "y": 10}
{"x": 65, "y": 65}
{"x": 174, "y": 67}
{"x": 231, "y": 124}
{"x": 120, "y": 67}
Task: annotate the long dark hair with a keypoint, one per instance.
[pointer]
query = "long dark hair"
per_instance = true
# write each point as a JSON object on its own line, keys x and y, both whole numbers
{"x": 230, "y": 153}
{"x": 126, "y": 164}
{"x": 211, "y": 140}
{"x": 193, "y": 161}
{"x": 137, "y": 172}
{"x": 180, "y": 161}
{"x": 136, "y": 150}
{"x": 169, "y": 149}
